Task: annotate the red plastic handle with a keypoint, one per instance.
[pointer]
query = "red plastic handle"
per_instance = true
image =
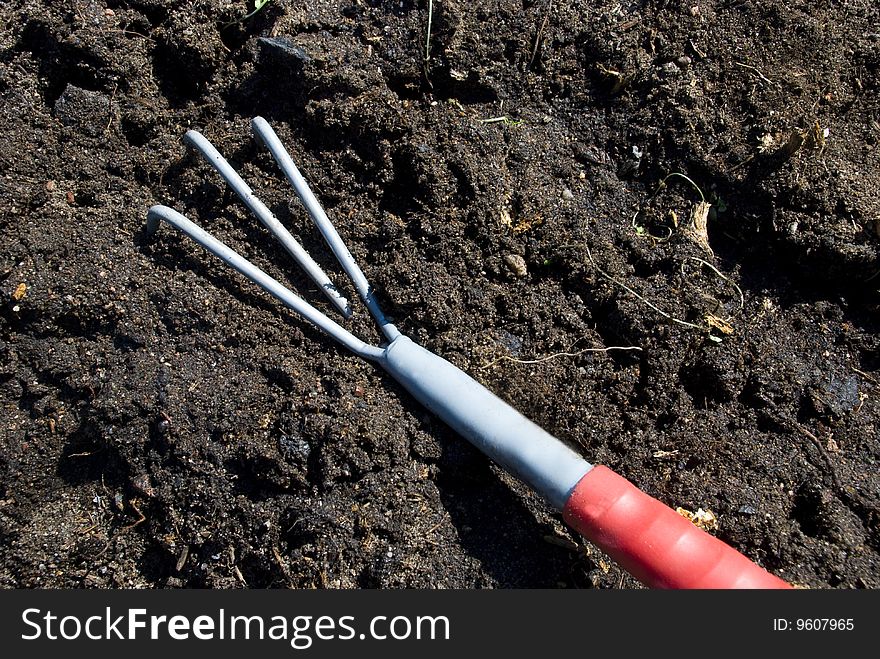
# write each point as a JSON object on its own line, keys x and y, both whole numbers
{"x": 655, "y": 544}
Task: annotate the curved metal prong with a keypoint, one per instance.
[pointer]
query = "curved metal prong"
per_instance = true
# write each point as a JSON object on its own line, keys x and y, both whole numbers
{"x": 337, "y": 246}
{"x": 261, "y": 279}
{"x": 258, "y": 208}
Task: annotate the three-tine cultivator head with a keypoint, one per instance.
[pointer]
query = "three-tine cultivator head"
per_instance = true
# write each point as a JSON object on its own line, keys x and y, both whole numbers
{"x": 650, "y": 540}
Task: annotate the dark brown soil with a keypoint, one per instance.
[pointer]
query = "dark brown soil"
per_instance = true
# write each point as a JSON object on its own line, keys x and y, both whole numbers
{"x": 166, "y": 424}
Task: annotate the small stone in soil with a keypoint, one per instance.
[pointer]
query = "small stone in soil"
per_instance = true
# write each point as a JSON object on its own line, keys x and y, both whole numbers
{"x": 516, "y": 264}
{"x": 282, "y": 51}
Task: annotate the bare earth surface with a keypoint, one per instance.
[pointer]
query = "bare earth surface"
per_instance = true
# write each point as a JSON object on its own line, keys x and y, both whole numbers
{"x": 166, "y": 424}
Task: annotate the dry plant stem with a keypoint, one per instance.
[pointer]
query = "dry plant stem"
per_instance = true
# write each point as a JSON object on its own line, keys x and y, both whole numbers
{"x": 865, "y": 375}
{"x": 742, "y": 299}
{"x": 660, "y": 186}
{"x": 641, "y": 229}
{"x": 640, "y": 297}
{"x": 556, "y": 354}
{"x": 757, "y": 72}
{"x": 540, "y": 35}
{"x": 686, "y": 178}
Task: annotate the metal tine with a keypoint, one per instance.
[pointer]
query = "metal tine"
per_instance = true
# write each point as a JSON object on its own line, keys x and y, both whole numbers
{"x": 325, "y": 226}
{"x": 261, "y": 279}
{"x": 258, "y": 208}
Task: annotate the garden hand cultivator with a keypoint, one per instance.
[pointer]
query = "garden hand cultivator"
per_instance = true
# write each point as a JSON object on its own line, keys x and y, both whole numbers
{"x": 651, "y": 541}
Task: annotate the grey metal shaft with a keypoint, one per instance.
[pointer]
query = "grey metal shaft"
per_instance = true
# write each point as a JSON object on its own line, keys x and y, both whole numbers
{"x": 337, "y": 246}
{"x": 520, "y": 446}
{"x": 258, "y": 208}
{"x": 261, "y": 279}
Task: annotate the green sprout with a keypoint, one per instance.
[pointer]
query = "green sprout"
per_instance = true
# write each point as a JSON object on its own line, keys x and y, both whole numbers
{"x": 718, "y": 206}
{"x": 258, "y": 5}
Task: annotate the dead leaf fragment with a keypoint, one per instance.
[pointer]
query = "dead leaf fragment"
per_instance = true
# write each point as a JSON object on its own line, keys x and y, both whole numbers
{"x": 527, "y": 224}
{"x": 19, "y": 292}
{"x": 704, "y": 519}
{"x": 794, "y": 143}
{"x": 719, "y": 323}
{"x": 618, "y": 80}
{"x": 816, "y": 137}
{"x": 698, "y": 230}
